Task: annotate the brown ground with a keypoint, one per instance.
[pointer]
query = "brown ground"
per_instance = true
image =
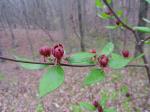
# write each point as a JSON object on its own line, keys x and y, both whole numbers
{"x": 18, "y": 87}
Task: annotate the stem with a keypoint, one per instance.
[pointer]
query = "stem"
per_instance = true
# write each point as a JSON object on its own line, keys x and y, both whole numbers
{"x": 33, "y": 62}
{"x": 147, "y": 38}
{"x": 142, "y": 41}
{"x": 62, "y": 64}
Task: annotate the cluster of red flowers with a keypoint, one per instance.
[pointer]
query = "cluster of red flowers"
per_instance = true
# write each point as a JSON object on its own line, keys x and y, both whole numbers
{"x": 57, "y": 51}
{"x": 103, "y": 60}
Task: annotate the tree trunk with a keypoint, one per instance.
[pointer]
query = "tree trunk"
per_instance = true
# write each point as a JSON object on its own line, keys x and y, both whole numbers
{"x": 3, "y": 26}
{"x": 62, "y": 19}
{"x": 143, "y": 10}
{"x": 81, "y": 30}
{"x": 27, "y": 27}
{"x": 5, "y": 15}
{"x": 14, "y": 45}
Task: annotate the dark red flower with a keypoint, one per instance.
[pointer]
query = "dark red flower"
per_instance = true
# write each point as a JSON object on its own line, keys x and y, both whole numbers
{"x": 125, "y": 53}
{"x": 58, "y": 52}
{"x": 95, "y": 103}
{"x": 93, "y": 51}
{"x": 100, "y": 109}
{"x": 98, "y": 106}
{"x": 103, "y": 61}
{"x": 128, "y": 94}
{"x": 45, "y": 51}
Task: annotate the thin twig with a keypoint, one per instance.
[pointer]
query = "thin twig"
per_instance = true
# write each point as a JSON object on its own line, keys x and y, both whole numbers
{"x": 142, "y": 41}
{"x": 121, "y": 22}
{"x": 116, "y": 16}
{"x": 62, "y": 64}
{"x": 147, "y": 38}
{"x": 33, "y": 62}
{"x": 134, "y": 65}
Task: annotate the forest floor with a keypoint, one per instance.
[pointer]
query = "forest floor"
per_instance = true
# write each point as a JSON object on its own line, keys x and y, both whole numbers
{"x": 18, "y": 87}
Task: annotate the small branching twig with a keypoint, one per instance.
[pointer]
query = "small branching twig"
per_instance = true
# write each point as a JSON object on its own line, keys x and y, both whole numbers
{"x": 142, "y": 41}
{"x": 33, "y": 62}
{"x": 138, "y": 40}
{"x": 62, "y": 64}
{"x": 147, "y": 38}
{"x": 118, "y": 19}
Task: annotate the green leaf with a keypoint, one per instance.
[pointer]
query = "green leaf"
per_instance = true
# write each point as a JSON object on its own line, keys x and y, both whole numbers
{"x": 127, "y": 106}
{"x": 76, "y": 108}
{"x": 142, "y": 29}
{"x": 119, "y": 13}
{"x": 87, "y": 106}
{"x": 147, "y": 42}
{"x": 40, "y": 108}
{"x": 124, "y": 89}
{"x": 114, "y": 95}
{"x": 110, "y": 110}
{"x": 95, "y": 75}
{"x": 146, "y": 20}
{"x": 81, "y": 58}
{"x": 108, "y": 49}
{"x": 118, "y": 61}
{"x": 51, "y": 80}
{"x": 104, "y": 16}
{"x": 30, "y": 66}
{"x": 104, "y": 99}
{"x": 148, "y": 1}
{"x": 99, "y": 4}
{"x": 109, "y": 1}
{"x": 111, "y": 27}
{"x": 125, "y": 20}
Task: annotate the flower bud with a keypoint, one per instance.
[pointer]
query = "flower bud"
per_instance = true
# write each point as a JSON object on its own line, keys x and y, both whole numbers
{"x": 103, "y": 61}
{"x": 45, "y": 51}
{"x": 125, "y": 53}
{"x": 95, "y": 103}
{"x": 128, "y": 95}
{"x": 93, "y": 51}
{"x": 100, "y": 109}
{"x": 58, "y": 52}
